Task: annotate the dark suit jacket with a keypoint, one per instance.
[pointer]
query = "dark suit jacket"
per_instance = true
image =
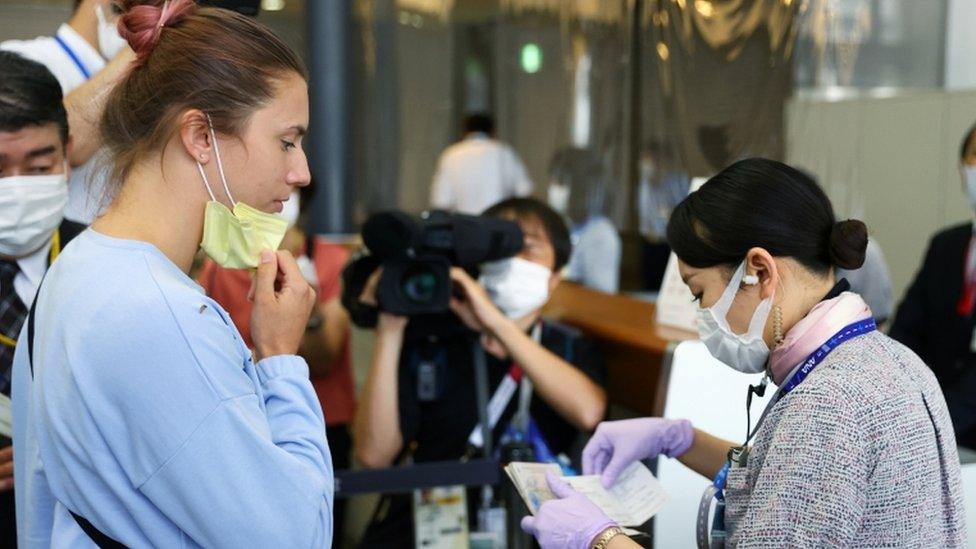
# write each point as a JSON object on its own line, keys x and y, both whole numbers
{"x": 928, "y": 323}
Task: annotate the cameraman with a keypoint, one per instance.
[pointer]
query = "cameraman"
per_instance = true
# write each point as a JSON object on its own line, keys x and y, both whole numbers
{"x": 401, "y": 415}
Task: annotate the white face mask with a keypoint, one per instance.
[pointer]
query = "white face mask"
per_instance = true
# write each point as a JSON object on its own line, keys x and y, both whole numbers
{"x": 31, "y": 208}
{"x": 110, "y": 43}
{"x": 747, "y": 352}
{"x": 969, "y": 181}
{"x": 516, "y": 286}
{"x": 558, "y": 197}
{"x": 290, "y": 210}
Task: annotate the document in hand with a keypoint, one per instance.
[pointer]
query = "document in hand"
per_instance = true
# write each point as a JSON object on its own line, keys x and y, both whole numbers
{"x": 633, "y": 500}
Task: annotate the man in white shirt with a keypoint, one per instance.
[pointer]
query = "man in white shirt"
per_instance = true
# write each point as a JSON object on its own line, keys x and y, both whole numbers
{"x": 478, "y": 171}
{"x": 87, "y": 56}
{"x": 34, "y": 147}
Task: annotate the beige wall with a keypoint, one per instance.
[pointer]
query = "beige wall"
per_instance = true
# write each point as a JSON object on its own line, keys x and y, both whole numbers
{"x": 22, "y": 20}
{"x": 890, "y": 161}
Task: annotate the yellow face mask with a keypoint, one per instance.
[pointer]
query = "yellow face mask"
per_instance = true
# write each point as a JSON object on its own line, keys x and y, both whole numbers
{"x": 235, "y": 239}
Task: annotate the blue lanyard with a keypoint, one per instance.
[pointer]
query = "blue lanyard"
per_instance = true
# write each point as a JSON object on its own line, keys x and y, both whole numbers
{"x": 73, "y": 56}
{"x": 848, "y": 332}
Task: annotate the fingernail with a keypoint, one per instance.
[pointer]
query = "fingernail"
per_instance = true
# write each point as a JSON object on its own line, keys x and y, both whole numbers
{"x": 267, "y": 256}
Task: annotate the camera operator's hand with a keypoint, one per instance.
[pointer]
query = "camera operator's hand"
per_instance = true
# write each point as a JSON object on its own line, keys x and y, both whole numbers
{"x": 474, "y": 306}
{"x": 368, "y": 295}
{"x": 282, "y": 303}
{"x": 386, "y": 323}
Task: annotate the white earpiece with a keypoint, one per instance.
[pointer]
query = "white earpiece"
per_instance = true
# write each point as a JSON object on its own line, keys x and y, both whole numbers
{"x": 750, "y": 280}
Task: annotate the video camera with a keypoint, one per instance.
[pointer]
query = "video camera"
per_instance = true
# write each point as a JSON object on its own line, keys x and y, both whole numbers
{"x": 416, "y": 256}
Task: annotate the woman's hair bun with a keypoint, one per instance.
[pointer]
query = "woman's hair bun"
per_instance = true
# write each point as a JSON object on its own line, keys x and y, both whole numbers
{"x": 848, "y": 243}
{"x": 142, "y": 22}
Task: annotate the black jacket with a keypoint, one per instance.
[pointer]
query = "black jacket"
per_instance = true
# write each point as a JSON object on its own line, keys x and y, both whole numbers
{"x": 927, "y": 322}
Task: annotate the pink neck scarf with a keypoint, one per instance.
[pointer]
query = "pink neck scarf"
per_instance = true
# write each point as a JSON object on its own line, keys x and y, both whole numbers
{"x": 823, "y": 321}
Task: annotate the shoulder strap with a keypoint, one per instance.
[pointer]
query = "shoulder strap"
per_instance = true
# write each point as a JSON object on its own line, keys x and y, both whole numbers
{"x": 70, "y": 229}
{"x": 67, "y": 231}
{"x": 100, "y": 539}
{"x": 30, "y": 329}
{"x": 96, "y": 535}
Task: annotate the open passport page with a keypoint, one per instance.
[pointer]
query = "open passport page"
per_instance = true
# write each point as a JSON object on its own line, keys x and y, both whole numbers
{"x": 633, "y": 500}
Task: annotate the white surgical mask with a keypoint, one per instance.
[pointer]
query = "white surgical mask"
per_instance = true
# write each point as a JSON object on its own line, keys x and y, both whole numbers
{"x": 969, "y": 180}
{"x": 290, "y": 210}
{"x": 31, "y": 209}
{"x": 516, "y": 286}
{"x": 558, "y": 197}
{"x": 110, "y": 43}
{"x": 746, "y": 352}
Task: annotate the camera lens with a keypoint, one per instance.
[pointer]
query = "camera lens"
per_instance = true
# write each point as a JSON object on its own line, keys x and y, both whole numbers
{"x": 419, "y": 284}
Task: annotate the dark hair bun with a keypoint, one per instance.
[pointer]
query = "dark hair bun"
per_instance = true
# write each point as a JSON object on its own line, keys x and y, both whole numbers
{"x": 848, "y": 242}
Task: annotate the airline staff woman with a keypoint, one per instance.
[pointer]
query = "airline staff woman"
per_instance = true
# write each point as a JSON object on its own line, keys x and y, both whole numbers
{"x": 856, "y": 447}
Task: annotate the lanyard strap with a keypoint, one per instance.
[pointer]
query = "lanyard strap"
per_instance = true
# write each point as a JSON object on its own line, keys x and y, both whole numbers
{"x": 503, "y": 396}
{"x": 73, "y": 56}
{"x": 801, "y": 372}
{"x": 849, "y": 332}
{"x": 716, "y": 489}
{"x": 498, "y": 403}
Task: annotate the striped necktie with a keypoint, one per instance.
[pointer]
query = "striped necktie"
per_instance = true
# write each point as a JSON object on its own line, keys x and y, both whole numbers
{"x": 13, "y": 312}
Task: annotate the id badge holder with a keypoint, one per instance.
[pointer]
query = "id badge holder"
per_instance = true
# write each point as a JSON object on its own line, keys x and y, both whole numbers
{"x": 440, "y": 517}
{"x": 430, "y": 375}
{"x": 716, "y": 538}
{"x": 493, "y": 530}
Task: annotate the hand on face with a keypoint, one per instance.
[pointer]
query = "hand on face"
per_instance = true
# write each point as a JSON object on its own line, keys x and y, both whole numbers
{"x": 283, "y": 301}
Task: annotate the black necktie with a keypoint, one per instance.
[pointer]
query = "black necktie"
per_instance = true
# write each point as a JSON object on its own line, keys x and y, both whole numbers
{"x": 13, "y": 312}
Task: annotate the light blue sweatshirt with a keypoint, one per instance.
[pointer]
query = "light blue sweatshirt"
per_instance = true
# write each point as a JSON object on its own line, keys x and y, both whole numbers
{"x": 147, "y": 416}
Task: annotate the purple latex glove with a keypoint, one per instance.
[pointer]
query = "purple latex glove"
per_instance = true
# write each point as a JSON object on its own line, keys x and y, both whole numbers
{"x": 617, "y": 444}
{"x": 571, "y": 522}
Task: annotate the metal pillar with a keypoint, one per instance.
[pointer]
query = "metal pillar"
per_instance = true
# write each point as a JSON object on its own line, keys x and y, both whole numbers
{"x": 329, "y": 153}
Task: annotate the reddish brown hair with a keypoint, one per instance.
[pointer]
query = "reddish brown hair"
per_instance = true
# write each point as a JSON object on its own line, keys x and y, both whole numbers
{"x": 215, "y": 60}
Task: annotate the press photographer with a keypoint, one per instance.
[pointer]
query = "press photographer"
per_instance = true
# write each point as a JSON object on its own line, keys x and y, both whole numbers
{"x": 419, "y": 402}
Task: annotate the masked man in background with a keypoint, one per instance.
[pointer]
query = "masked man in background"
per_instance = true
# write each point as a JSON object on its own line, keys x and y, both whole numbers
{"x": 34, "y": 149}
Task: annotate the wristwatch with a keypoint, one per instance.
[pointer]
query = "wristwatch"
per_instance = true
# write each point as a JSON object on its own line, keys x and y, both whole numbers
{"x": 607, "y": 535}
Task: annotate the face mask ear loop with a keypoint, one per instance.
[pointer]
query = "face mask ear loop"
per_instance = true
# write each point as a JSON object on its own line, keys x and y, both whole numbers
{"x": 720, "y": 309}
{"x": 205, "y": 182}
{"x": 759, "y": 318}
{"x": 220, "y": 165}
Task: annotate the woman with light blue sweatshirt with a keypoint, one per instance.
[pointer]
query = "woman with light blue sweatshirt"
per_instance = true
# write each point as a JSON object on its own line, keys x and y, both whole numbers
{"x": 140, "y": 417}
